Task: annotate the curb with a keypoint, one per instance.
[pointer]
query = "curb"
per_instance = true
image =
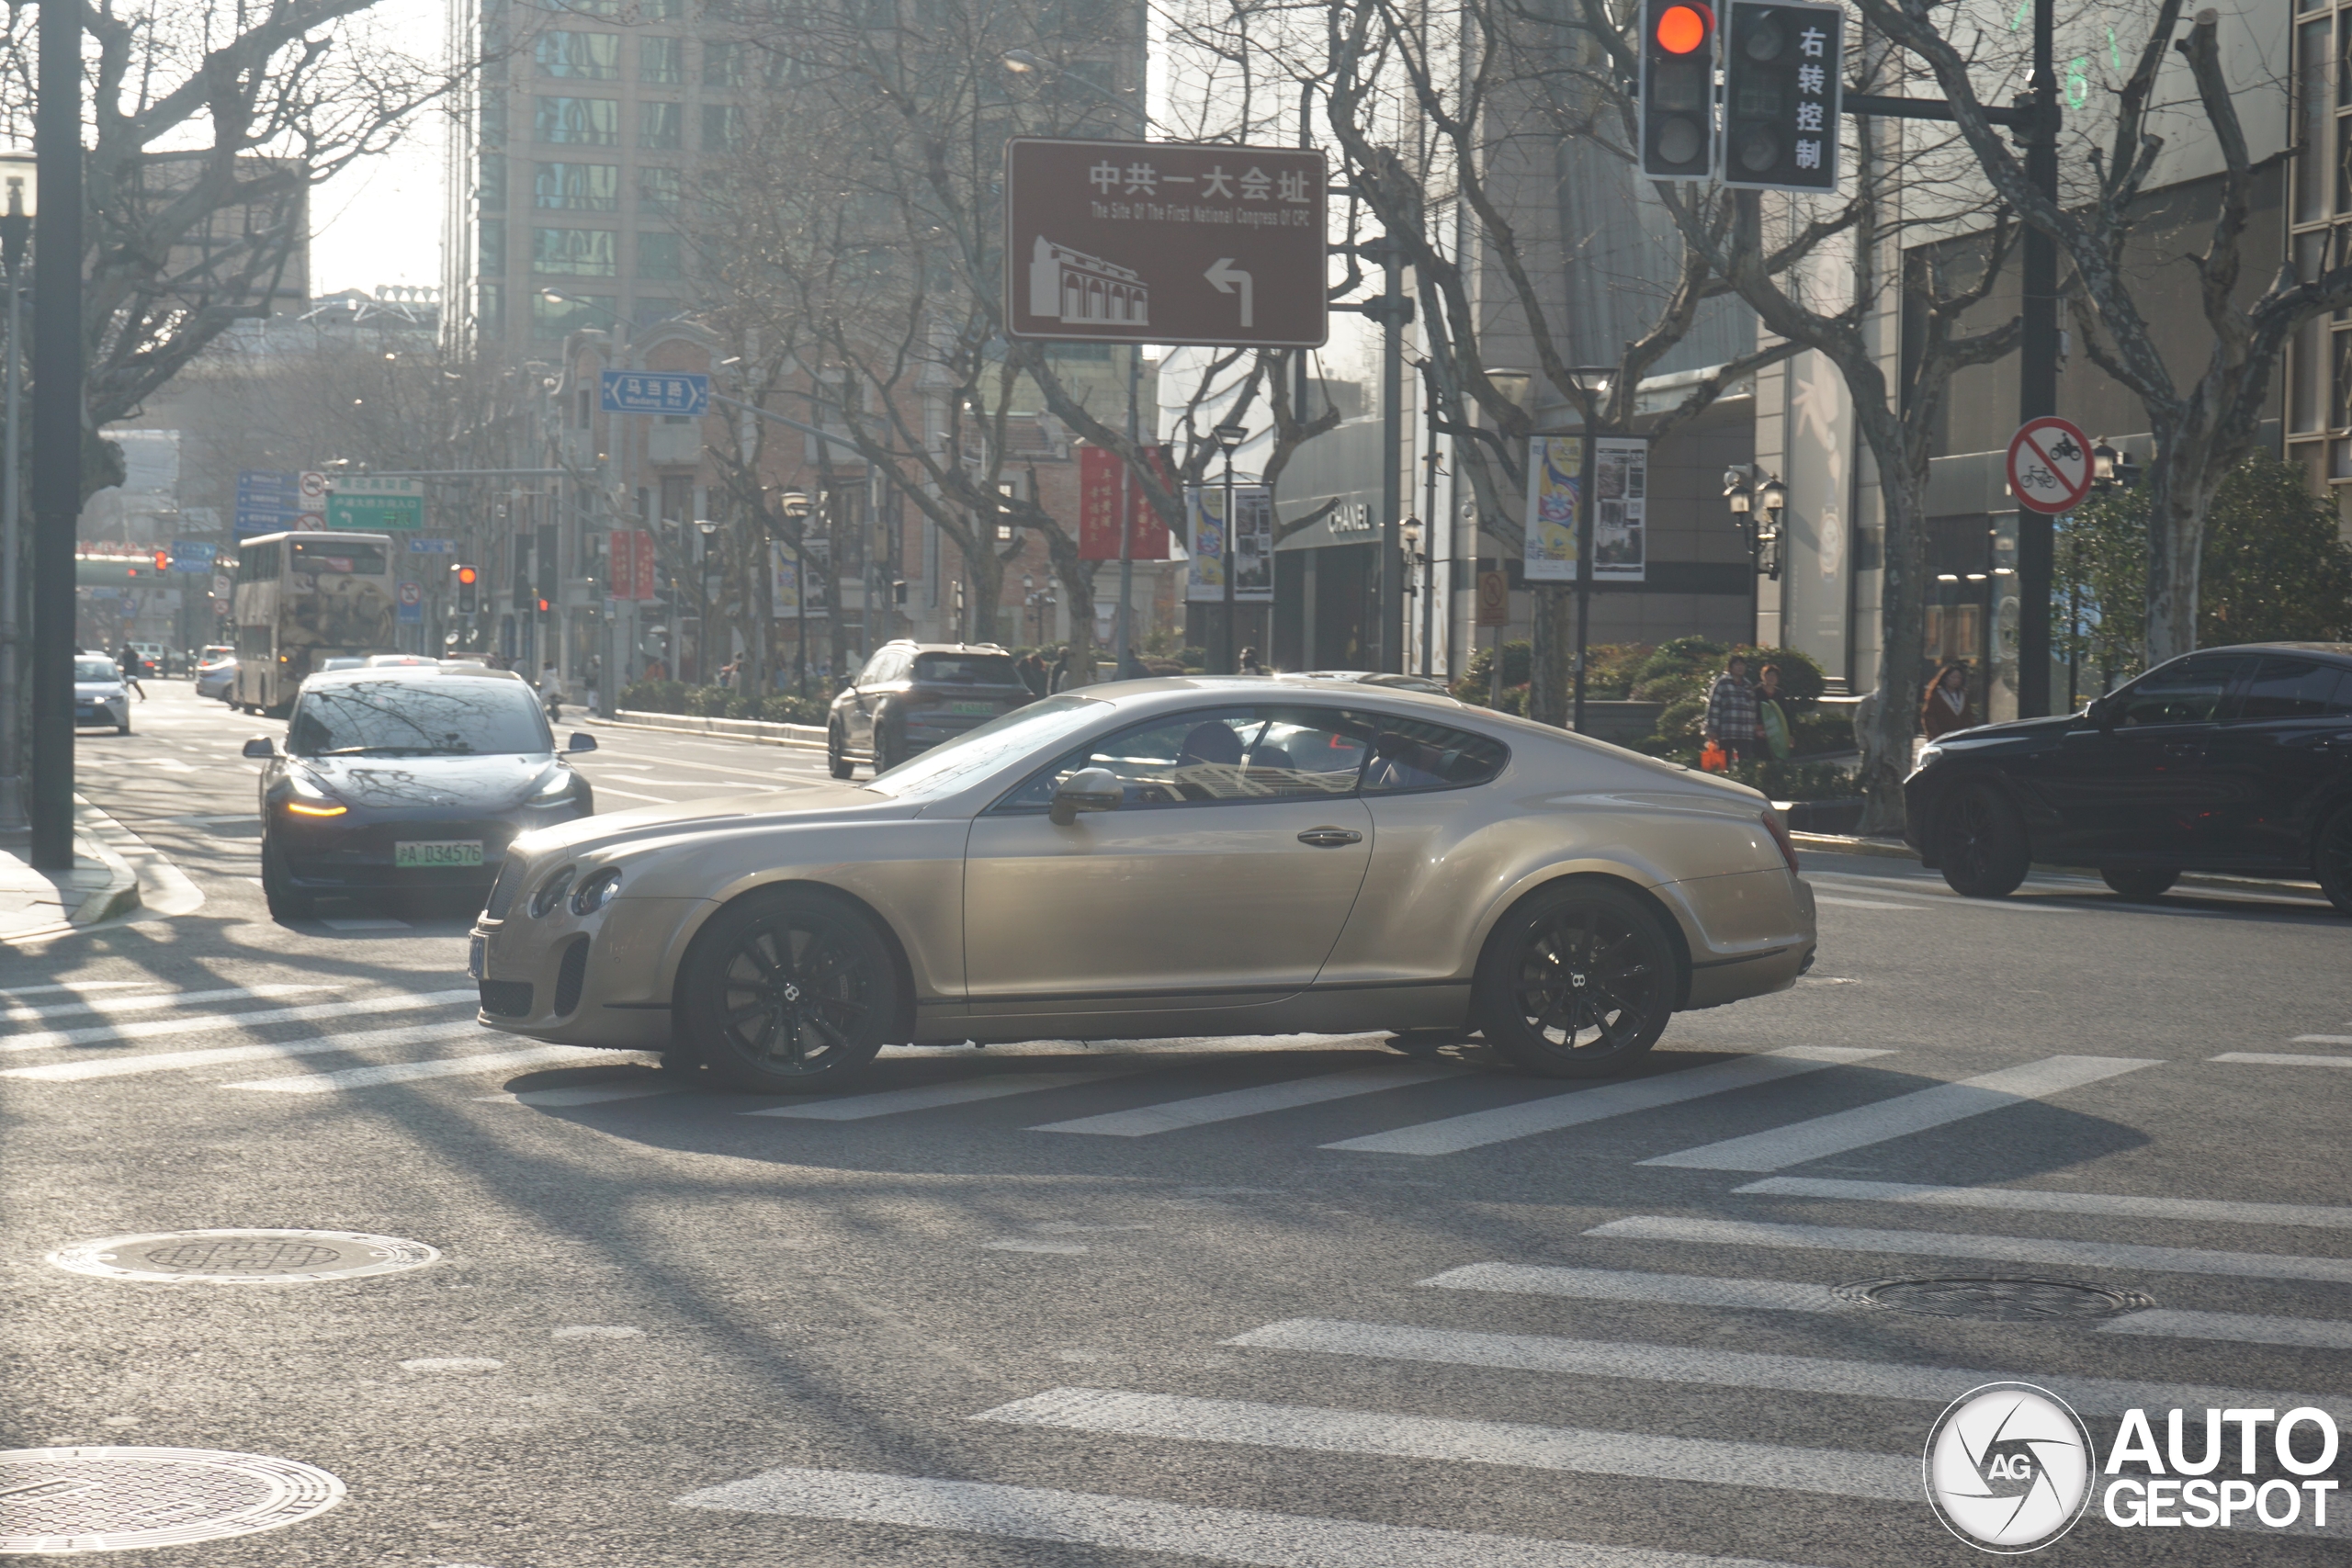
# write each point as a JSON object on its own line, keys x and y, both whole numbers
{"x": 1894, "y": 849}
{"x": 805, "y": 737}
{"x": 119, "y": 895}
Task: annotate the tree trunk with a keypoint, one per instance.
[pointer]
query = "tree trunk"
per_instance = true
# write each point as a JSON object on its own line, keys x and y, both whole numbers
{"x": 2180, "y": 494}
{"x": 1886, "y": 752}
{"x": 1077, "y": 578}
{"x": 1548, "y": 675}
{"x": 984, "y": 572}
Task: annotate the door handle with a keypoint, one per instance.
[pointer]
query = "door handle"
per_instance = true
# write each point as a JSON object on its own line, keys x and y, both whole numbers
{"x": 1331, "y": 838}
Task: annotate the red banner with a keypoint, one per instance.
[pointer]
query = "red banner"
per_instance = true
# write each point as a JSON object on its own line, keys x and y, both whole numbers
{"x": 634, "y": 575}
{"x": 1098, "y": 472}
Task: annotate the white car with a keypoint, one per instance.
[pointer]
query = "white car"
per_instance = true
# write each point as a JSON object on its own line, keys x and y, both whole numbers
{"x": 100, "y": 695}
{"x": 216, "y": 672}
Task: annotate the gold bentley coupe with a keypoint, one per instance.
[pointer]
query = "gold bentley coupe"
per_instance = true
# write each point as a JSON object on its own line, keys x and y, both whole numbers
{"x": 1202, "y": 856}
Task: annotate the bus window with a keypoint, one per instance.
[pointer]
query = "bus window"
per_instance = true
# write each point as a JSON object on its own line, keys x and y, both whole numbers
{"x": 339, "y": 556}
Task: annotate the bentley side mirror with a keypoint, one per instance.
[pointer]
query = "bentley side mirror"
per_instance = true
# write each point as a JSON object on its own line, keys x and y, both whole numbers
{"x": 582, "y": 741}
{"x": 2102, "y": 711}
{"x": 1089, "y": 789}
{"x": 260, "y": 746}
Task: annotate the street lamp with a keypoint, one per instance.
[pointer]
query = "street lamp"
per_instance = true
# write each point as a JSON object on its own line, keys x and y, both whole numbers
{"x": 16, "y": 237}
{"x": 1229, "y": 437}
{"x": 796, "y": 507}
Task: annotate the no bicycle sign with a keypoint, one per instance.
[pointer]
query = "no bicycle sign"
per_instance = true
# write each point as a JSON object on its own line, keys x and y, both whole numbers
{"x": 2050, "y": 465}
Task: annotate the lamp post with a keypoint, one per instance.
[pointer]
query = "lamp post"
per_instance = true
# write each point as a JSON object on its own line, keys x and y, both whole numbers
{"x": 1757, "y": 502}
{"x": 1419, "y": 580}
{"x": 58, "y": 419}
{"x": 794, "y": 505}
{"x": 1229, "y": 438}
{"x": 16, "y": 235}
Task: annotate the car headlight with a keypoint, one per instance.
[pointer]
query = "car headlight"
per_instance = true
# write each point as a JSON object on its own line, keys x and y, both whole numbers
{"x": 551, "y": 892}
{"x": 309, "y": 799}
{"x": 597, "y": 891}
{"x": 556, "y": 785}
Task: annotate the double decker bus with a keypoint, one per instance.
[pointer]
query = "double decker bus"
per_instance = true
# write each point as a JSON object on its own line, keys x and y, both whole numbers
{"x": 303, "y": 598}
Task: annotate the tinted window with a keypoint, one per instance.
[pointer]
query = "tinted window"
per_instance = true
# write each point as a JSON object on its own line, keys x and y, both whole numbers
{"x": 457, "y": 715}
{"x": 1411, "y": 754}
{"x": 96, "y": 669}
{"x": 1037, "y": 728}
{"x": 2189, "y": 691}
{"x": 2297, "y": 688}
{"x": 339, "y": 556}
{"x": 965, "y": 670}
{"x": 1228, "y": 755}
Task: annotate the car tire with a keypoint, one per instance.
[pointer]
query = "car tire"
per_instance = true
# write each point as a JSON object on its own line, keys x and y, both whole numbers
{"x": 885, "y": 756}
{"x": 788, "y": 993}
{"x": 2139, "y": 883}
{"x": 1982, "y": 847}
{"x": 122, "y": 728}
{"x": 285, "y": 901}
{"x": 2332, "y": 859}
{"x": 1576, "y": 983}
{"x": 836, "y": 760}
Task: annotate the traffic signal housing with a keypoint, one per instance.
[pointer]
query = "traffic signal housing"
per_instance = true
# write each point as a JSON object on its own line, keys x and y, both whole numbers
{"x": 1783, "y": 70}
{"x": 1678, "y": 90}
{"x": 469, "y": 581}
{"x": 163, "y": 560}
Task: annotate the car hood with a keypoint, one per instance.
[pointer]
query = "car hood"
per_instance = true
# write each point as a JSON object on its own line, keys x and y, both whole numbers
{"x": 98, "y": 688}
{"x": 492, "y": 783}
{"x": 2041, "y": 730}
{"x": 813, "y": 806}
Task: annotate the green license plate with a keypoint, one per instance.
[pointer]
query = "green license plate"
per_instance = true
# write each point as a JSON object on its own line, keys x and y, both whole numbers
{"x": 971, "y": 707}
{"x": 450, "y": 851}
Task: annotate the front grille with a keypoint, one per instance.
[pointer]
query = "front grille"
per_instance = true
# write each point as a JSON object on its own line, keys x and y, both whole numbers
{"x": 506, "y": 998}
{"x": 572, "y": 978}
{"x": 503, "y": 891}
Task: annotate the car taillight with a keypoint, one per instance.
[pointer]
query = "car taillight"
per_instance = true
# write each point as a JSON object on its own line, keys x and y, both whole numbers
{"x": 1779, "y": 831}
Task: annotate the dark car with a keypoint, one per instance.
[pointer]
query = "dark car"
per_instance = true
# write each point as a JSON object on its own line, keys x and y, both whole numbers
{"x": 913, "y": 695}
{"x": 412, "y": 779}
{"x": 2230, "y": 760}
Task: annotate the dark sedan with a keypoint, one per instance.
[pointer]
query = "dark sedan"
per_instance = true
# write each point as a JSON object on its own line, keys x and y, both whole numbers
{"x": 910, "y": 697}
{"x": 408, "y": 780}
{"x": 2230, "y": 760}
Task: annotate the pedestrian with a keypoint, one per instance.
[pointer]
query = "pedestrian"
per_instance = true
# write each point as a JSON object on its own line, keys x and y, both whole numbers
{"x": 551, "y": 690}
{"x": 1947, "y": 706}
{"x": 595, "y": 683}
{"x": 1250, "y": 664}
{"x": 1770, "y": 718}
{"x": 1057, "y": 675}
{"x": 1132, "y": 668}
{"x": 1031, "y": 671}
{"x": 129, "y": 661}
{"x": 1731, "y": 721}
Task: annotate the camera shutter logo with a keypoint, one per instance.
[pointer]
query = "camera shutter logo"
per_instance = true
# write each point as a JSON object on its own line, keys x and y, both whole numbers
{"x": 2009, "y": 1468}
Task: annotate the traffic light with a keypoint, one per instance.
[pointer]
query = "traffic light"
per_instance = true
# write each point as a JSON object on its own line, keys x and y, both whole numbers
{"x": 1782, "y": 71}
{"x": 163, "y": 560}
{"x": 1678, "y": 90}
{"x": 468, "y": 579}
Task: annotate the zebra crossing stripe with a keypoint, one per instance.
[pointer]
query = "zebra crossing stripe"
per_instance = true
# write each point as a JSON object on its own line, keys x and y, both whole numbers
{"x": 1906, "y": 1113}
{"x": 1995, "y": 1248}
{"x": 1453, "y": 1133}
{"x": 2291, "y": 1059}
{"x": 174, "y": 1061}
{"x": 440, "y": 1067}
{"x": 1629, "y": 1285}
{"x": 1175, "y": 1114}
{"x": 1726, "y": 1369}
{"x": 1831, "y": 1472}
{"x": 2249, "y": 1328}
{"x": 155, "y": 1000}
{"x": 312, "y": 1012}
{"x": 1248, "y": 1536}
{"x": 2026, "y": 1200}
{"x": 925, "y": 1097}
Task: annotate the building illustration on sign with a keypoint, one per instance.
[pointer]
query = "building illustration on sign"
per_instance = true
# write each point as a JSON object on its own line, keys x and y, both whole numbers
{"x": 1074, "y": 289}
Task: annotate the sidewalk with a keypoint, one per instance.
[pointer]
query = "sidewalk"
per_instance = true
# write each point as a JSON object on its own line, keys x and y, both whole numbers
{"x": 101, "y": 886}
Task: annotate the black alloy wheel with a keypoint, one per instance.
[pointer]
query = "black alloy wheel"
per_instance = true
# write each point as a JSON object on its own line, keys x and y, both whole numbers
{"x": 788, "y": 993}
{"x": 2332, "y": 859}
{"x": 1984, "y": 852}
{"x": 886, "y": 755}
{"x": 285, "y": 901}
{"x": 1575, "y": 983}
{"x": 2140, "y": 882}
{"x": 837, "y": 762}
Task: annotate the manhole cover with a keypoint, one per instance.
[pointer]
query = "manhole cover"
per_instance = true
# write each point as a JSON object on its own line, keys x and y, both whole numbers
{"x": 243, "y": 1257}
{"x": 67, "y": 1500}
{"x": 2001, "y": 1301}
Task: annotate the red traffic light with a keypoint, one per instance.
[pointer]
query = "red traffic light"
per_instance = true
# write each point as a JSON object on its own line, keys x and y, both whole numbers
{"x": 163, "y": 560}
{"x": 466, "y": 575}
{"x": 543, "y": 606}
{"x": 1682, "y": 28}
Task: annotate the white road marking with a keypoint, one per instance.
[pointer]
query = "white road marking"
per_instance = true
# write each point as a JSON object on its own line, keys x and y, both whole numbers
{"x": 1724, "y": 1369}
{"x": 891, "y": 1102}
{"x": 2033, "y": 1201}
{"x": 399, "y": 1002}
{"x": 1884, "y": 1477}
{"x": 452, "y": 1364}
{"x": 404, "y": 1072}
{"x": 1452, "y": 1133}
{"x": 594, "y": 1331}
{"x": 2289, "y": 1058}
{"x": 1023, "y": 1243}
{"x": 2000, "y": 1248}
{"x": 1247, "y": 1536}
{"x": 632, "y": 794}
{"x": 1630, "y": 1285}
{"x": 2321, "y": 1039}
{"x": 1173, "y": 1115}
{"x": 366, "y": 923}
{"x": 577, "y": 1094}
{"x": 673, "y": 760}
{"x": 171, "y": 1061}
{"x": 1862, "y": 903}
{"x": 78, "y": 985}
{"x": 2251, "y": 1328}
{"x": 1918, "y": 888}
{"x": 1905, "y": 1114}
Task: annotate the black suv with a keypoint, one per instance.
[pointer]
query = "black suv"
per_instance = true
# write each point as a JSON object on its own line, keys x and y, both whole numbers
{"x": 2233, "y": 759}
{"x": 913, "y": 695}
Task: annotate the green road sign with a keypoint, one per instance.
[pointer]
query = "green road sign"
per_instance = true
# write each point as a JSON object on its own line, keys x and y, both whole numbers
{"x": 364, "y": 505}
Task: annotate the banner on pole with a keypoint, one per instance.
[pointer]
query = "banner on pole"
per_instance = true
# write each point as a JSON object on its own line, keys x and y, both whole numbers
{"x": 1099, "y": 472}
{"x": 1253, "y": 579}
{"x": 1621, "y": 487}
{"x": 1553, "y": 464}
{"x": 784, "y": 582}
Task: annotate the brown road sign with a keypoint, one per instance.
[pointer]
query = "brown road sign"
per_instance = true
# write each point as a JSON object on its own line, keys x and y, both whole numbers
{"x": 1164, "y": 241}
{"x": 1493, "y": 599}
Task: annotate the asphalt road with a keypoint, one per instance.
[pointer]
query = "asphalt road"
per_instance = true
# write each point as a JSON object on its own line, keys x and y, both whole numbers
{"x": 1361, "y": 1311}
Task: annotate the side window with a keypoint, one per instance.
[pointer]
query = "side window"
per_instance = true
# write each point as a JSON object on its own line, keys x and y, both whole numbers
{"x": 2188, "y": 691}
{"x": 1412, "y": 754}
{"x": 1214, "y": 756}
{"x": 871, "y": 675}
{"x": 2297, "y": 688}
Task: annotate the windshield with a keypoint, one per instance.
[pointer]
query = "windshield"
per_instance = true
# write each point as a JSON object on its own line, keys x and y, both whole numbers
{"x": 338, "y": 556}
{"x": 1037, "y": 728}
{"x": 86, "y": 670}
{"x": 438, "y": 717}
{"x": 965, "y": 670}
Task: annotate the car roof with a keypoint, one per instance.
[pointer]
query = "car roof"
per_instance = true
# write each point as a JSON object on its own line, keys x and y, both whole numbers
{"x": 948, "y": 646}
{"x": 412, "y": 673}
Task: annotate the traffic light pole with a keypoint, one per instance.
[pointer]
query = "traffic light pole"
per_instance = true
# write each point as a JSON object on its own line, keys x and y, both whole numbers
{"x": 56, "y": 428}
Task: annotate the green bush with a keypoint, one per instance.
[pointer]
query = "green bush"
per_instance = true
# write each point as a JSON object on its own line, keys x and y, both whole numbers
{"x": 1519, "y": 662}
{"x": 1792, "y": 780}
{"x": 717, "y": 701}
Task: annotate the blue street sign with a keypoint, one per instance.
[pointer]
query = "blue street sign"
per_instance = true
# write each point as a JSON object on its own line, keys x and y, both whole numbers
{"x": 267, "y": 502}
{"x": 187, "y": 555}
{"x": 655, "y": 391}
{"x": 432, "y": 547}
{"x": 411, "y": 605}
